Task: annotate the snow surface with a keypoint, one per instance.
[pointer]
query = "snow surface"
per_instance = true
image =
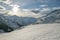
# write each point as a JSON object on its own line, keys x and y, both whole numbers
{"x": 34, "y": 32}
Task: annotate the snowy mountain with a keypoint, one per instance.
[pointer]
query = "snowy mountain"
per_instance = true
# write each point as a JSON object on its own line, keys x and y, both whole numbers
{"x": 12, "y": 16}
{"x": 52, "y": 17}
{"x": 15, "y": 21}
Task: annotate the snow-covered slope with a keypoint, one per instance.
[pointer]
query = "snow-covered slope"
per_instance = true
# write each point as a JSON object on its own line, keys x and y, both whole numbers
{"x": 34, "y": 32}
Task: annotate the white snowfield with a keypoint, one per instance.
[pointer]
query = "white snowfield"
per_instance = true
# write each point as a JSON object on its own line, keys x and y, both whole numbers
{"x": 34, "y": 32}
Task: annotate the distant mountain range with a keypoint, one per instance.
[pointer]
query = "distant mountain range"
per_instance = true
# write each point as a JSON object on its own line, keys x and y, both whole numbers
{"x": 15, "y": 22}
{"x": 52, "y": 17}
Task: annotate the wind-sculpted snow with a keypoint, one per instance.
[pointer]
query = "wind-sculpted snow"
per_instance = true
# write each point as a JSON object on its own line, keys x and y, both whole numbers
{"x": 34, "y": 32}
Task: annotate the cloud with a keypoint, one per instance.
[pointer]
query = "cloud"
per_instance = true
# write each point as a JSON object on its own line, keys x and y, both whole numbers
{"x": 26, "y": 2}
{"x": 33, "y": 3}
{"x": 45, "y": 9}
{"x": 3, "y": 8}
{"x": 26, "y": 9}
{"x": 43, "y": 5}
{"x": 56, "y": 8}
{"x": 6, "y": 1}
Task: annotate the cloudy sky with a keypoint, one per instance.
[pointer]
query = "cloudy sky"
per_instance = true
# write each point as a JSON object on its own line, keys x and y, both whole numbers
{"x": 37, "y": 3}
{"x": 41, "y": 5}
{"x": 34, "y": 4}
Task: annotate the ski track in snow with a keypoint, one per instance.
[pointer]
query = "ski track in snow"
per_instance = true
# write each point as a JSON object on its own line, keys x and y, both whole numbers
{"x": 34, "y": 32}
